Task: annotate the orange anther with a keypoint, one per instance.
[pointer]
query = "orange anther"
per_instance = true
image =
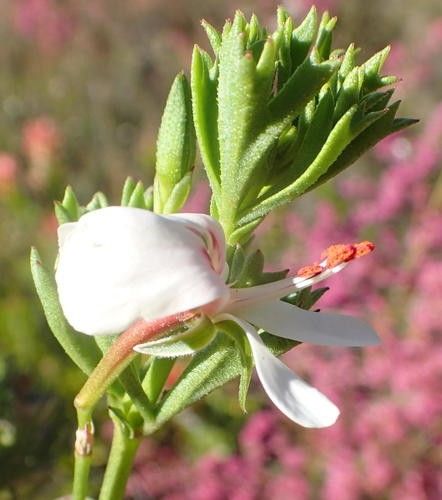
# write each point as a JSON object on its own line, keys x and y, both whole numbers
{"x": 364, "y": 248}
{"x": 337, "y": 254}
{"x": 310, "y": 271}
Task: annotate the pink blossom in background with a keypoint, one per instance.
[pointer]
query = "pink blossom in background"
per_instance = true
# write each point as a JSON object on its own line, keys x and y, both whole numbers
{"x": 46, "y": 22}
{"x": 8, "y": 172}
{"x": 41, "y": 138}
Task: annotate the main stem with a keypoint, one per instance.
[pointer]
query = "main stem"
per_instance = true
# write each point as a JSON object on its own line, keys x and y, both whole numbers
{"x": 81, "y": 475}
{"x": 119, "y": 465}
{"x": 116, "y": 359}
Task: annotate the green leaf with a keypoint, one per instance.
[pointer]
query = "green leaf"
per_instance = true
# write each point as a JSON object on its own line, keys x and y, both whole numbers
{"x": 136, "y": 199}
{"x": 148, "y": 198}
{"x": 245, "y": 351}
{"x": 213, "y": 36}
{"x": 300, "y": 88}
{"x": 99, "y": 200}
{"x": 70, "y": 204}
{"x": 239, "y": 116}
{"x": 61, "y": 213}
{"x": 79, "y": 347}
{"x": 324, "y": 40}
{"x": 128, "y": 189}
{"x": 347, "y": 128}
{"x": 205, "y": 113}
{"x": 380, "y": 128}
{"x": 303, "y": 36}
{"x": 179, "y": 195}
{"x": 180, "y": 344}
{"x": 372, "y": 67}
{"x": 156, "y": 377}
{"x": 176, "y": 142}
{"x": 236, "y": 264}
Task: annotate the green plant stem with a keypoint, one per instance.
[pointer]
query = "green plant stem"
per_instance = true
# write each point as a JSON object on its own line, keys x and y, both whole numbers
{"x": 117, "y": 358}
{"x": 81, "y": 476}
{"x": 119, "y": 465}
{"x": 156, "y": 377}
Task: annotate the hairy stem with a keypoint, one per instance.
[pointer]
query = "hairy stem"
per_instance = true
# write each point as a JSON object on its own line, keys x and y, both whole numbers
{"x": 119, "y": 465}
{"x": 81, "y": 476}
{"x": 116, "y": 359}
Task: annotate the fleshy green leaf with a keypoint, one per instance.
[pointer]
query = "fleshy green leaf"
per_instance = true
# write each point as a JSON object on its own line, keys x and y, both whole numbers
{"x": 245, "y": 351}
{"x": 128, "y": 189}
{"x": 179, "y": 195}
{"x": 61, "y": 213}
{"x": 136, "y": 199}
{"x": 383, "y": 126}
{"x": 70, "y": 204}
{"x": 205, "y": 113}
{"x": 80, "y": 348}
{"x": 176, "y": 143}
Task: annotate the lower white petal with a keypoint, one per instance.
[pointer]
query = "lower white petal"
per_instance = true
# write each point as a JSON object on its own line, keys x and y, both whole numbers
{"x": 291, "y": 322}
{"x": 295, "y": 398}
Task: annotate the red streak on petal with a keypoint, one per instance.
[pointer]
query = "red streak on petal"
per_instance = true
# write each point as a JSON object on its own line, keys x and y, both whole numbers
{"x": 310, "y": 271}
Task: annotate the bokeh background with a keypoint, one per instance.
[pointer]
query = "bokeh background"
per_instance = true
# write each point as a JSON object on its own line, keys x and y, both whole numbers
{"x": 82, "y": 85}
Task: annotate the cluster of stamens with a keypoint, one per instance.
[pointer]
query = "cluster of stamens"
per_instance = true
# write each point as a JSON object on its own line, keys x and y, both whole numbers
{"x": 334, "y": 256}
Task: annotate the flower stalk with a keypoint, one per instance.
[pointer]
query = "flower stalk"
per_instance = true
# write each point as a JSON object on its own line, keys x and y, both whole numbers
{"x": 274, "y": 115}
{"x": 122, "y": 454}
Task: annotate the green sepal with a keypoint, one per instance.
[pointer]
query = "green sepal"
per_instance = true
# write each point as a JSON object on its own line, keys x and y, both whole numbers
{"x": 79, "y": 347}
{"x": 237, "y": 334}
{"x": 136, "y": 199}
{"x": 253, "y": 272}
{"x": 236, "y": 264}
{"x": 179, "y": 195}
{"x": 306, "y": 298}
{"x": 156, "y": 376}
{"x": 121, "y": 419}
{"x": 148, "y": 198}
{"x": 99, "y": 200}
{"x": 70, "y": 204}
{"x": 184, "y": 343}
{"x": 176, "y": 146}
{"x": 128, "y": 188}
{"x": 61, "y": 213}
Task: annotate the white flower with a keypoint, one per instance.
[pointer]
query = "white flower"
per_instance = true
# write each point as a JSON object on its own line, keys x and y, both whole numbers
{"x": 117, "y": 265}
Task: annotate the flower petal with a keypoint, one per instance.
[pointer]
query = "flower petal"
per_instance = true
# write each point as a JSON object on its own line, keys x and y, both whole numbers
{"x": 119, "y": 264}
{"x": 211, "y": 232}
{"x": 295, "y": 398}
{"x": 291, "y": 322}
{"x": 242, "y": 297}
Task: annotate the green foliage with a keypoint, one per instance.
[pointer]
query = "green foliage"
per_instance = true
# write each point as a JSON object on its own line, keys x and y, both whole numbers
{"x": 278, "y": 114}
{"x": 175, "y": 150}
{"x": 80, "y": 348}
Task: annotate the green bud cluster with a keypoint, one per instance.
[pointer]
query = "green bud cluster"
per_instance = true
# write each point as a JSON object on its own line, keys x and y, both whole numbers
{"x": 277, "y": 114}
